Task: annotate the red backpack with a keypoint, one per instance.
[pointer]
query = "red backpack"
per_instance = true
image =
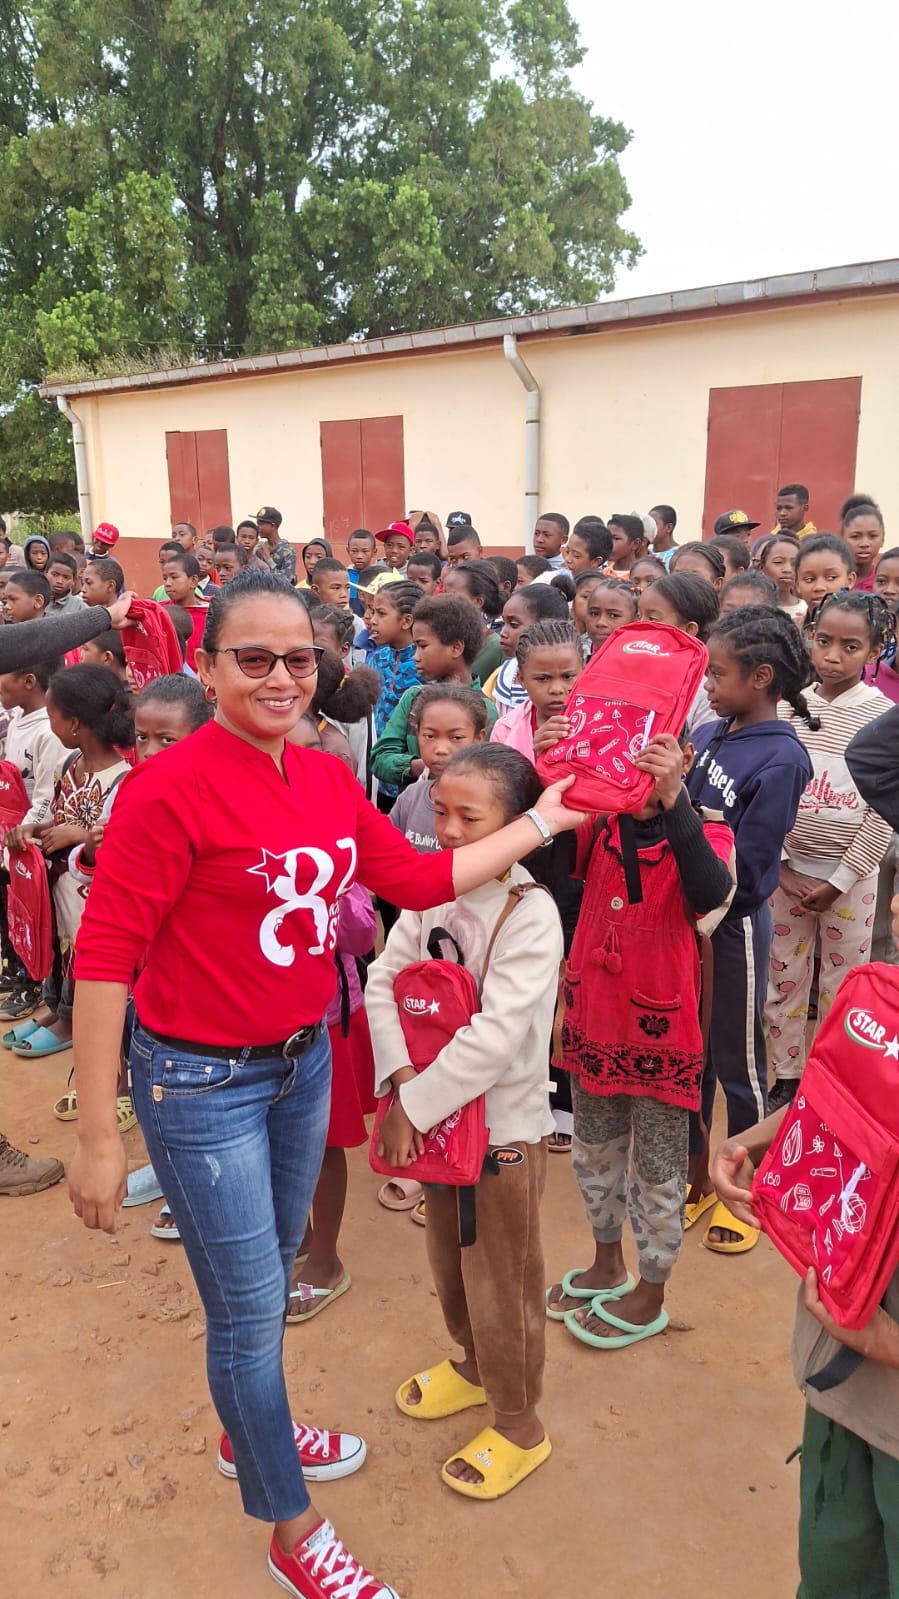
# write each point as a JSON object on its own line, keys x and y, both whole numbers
{"x": 151, "y": 644}
{"x": 435, "y": 999}
{"x": 13, "y": 798}
{"x": 29, "y": 911}
{"x": 640, "y": 682}
{"x": 827, "y": 1192}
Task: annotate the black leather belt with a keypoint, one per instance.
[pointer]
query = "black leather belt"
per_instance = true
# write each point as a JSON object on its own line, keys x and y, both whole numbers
{"x": 288, "y": 1048}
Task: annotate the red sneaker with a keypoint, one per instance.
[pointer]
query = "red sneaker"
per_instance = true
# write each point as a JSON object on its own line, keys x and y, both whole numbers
{"x": 324, "y": 1456}
{"x": 320, "y": 1568}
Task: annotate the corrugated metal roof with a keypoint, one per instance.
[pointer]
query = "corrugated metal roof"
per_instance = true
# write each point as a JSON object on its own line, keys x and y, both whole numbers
{"x": 827, "y": 283}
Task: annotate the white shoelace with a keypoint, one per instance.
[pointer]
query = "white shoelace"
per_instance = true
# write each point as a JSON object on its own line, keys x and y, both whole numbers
{"x": 345, "y": 1578}
{"x": 312, "y": 1440}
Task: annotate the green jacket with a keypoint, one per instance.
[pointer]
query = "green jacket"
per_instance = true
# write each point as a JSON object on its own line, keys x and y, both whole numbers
{"x": 397, "y": 748}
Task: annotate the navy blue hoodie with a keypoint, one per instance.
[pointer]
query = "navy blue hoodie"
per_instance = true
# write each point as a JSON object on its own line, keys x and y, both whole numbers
{"x": 756, "y": 776}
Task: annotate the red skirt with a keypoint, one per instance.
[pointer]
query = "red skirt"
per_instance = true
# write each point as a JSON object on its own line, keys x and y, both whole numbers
{"x": 352, "y": 1083}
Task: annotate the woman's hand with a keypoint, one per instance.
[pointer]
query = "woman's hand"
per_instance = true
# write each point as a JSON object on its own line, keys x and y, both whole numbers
{"x": 732, "y": 1172}
{"x": 554, "y": 728}
{"x": 118, "y": 610}
{"x": 98, "y": 1179}
{"x": 399, "y": 1142}
{"x": 879, "y": 1340}
{"x": 556, "y": 815}
{"x": 663, "y": 759}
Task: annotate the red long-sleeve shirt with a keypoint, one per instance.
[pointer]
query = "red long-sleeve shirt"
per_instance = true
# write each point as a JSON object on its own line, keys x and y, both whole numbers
{"x": 225, "y": 879}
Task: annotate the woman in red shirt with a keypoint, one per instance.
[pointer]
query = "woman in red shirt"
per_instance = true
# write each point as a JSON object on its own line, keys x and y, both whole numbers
{"x": 235, "y": 841}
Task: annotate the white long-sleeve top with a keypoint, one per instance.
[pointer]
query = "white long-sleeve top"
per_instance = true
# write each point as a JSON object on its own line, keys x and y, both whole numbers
{"x": 33, "y": 747}
{"x": 504, "y": 1051}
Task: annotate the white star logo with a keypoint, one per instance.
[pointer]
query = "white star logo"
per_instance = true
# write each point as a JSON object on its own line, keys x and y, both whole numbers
{"x": 271, "y": 867}
{"x": 891, "y": 1050}
{"x": 434, "y": 1007}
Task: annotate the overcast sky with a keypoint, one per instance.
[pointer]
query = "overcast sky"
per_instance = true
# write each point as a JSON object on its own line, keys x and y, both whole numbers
{"x": 765, "y": 136}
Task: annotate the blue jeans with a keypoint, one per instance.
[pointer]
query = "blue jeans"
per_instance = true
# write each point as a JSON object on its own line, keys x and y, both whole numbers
{"x": 237, "y": 1146}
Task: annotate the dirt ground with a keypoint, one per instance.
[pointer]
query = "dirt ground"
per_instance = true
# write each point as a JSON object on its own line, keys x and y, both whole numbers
{"x": 668, "y": 1474}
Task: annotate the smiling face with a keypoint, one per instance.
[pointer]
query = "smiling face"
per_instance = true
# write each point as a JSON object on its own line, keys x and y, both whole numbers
{"x": 548, "y": 675}
{"x": 841, "y": 649}
{"x": 466, "y": 808}
{"x": 444, "y": 728}
{"x": 517, "y": 614}
{"x": 261, "y": 711}
{"x": 864, "y": 535}
{"x": 821, "y": 573}
{"x": 397, "y": 549}
{"x": 607, "y": 610}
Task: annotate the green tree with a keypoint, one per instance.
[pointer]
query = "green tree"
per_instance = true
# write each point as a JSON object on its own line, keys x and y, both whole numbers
{"x": 229, "y": 176}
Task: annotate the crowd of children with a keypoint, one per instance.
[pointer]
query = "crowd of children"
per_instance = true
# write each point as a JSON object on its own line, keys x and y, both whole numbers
{"x": 443, "y": 676}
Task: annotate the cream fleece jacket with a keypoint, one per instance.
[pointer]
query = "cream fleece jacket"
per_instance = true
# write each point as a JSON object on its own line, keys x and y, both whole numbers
{"x": 504, "y": 1052}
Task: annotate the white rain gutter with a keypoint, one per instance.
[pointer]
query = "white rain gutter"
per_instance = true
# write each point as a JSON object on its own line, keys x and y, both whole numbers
{"x": 81, "y": 477}
{"x": 531, "y": 439}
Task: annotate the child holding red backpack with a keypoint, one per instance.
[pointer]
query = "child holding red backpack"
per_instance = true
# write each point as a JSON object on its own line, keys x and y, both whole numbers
{"x": 491, "y": 1292}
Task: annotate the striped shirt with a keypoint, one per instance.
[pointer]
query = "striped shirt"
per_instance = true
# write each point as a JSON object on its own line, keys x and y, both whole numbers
{"x": 837, "y": 837}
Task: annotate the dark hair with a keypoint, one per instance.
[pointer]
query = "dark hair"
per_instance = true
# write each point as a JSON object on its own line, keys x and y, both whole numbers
{"x": 189, "y": 525}
{"x": 536, "y": 565}
{"x": 560, "y": 635}
{"x": 886, "y": 555}
{"x": 592, "y": 574}
{"x": 183, "y": 625}
{"x": 751, "y": 579}
{"x": 62, "y": 558}
{"x": 691, "y": 597}
{"x": 453, "y": 620}
{"x": 505, "y": 569}
{"x": 470, "y": 700}
{"x": 769, "y": 543}
{"x": 794, "y": 490}
{"x": 58, "y": 538}
{"x": 342, "y": 695}
{"x": 223, "y": 534}
{"x": 327, "y": 564}
{"x": 482, "y": 584}
{"x": 247, "y": 522}
{"x": 667, "y": 513}
{"x": 734, "y": 548}
{"x": 545, "y": 601}
{"x": 368, "y": 575}
{"x": 709, "y": 552}
{"x": 631, "y": 526}
{"x": 31, "y": 582}
{"x": 176, "y": 688}
{"x": 557, "y": 517}
{"x": 173, "y": 545}
{"x": 762, "y": 635}
{"x": 878, "y": 617}
{"x": 592, "y": 532}
{"x": 826, "y": 544}
{"x": 458, "y": 535}
{"x": 564, "y": 582}
{"x": 99, "y": 699}
{"x": 854, "y": 502}
{"x": 428, "y": 559}
{"x": 619, "y": 585}
{"x": 404, "y": 595}
{"x": 321, "y": 544}
{"x": 109, "y": 570}
{"x": 511, "y": 775}
{"x": 237, "y": 550}
{"x": 650, "y": 560}
{"x": 343, "y": 622}
{"x": 110, "y": 643}
{"x": 252, "y": 584}
{"x": 868, "y": 509}
{"x": 363, "y": 533}
{"x": 41, "y": 673}
{"x": 188, "y": 563}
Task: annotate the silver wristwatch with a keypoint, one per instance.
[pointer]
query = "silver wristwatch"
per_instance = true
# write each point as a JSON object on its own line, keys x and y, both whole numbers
{"x": 546, "y": 836}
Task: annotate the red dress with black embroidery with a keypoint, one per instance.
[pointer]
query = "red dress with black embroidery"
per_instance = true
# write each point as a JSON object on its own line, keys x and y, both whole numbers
{"x": 632, "y": 985}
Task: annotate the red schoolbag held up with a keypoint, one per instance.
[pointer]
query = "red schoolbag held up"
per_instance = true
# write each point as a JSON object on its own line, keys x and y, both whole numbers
{"x": 29, "y": 911}
{"x": 640, "y": 682}
{"x": 827, "y": 1192}
{"x": 151, "y": 643}
{"x": 435, "y": 998}
{"x": 13, "y": 798}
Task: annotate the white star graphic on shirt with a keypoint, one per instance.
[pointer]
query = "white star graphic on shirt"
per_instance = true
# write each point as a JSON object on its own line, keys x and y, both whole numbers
{"x": 271, "y": 872}
{"x": 891, "y": 1050}
{"x": 434, "y": 1007}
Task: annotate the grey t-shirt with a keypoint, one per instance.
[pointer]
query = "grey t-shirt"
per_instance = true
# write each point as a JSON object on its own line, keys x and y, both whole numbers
{"x": 413, "y": 814}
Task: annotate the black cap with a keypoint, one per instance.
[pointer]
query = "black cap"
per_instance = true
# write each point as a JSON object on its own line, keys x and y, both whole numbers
{"x": 734, "y": 522}
{"x": 458, "y": 519}
{"x": 269, "y": 514}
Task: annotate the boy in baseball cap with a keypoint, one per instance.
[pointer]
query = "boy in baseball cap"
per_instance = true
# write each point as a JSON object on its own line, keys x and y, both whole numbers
{"x": 735, "y": 522}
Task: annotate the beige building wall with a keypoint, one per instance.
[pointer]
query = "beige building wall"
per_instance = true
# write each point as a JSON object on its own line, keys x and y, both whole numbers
{"x": 624, "y": 420}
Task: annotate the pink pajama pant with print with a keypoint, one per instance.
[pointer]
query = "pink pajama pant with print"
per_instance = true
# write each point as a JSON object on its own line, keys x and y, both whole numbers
{"x": 846, "y": 933}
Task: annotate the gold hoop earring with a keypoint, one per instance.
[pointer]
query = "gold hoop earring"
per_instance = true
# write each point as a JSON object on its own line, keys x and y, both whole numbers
{"x": 209, "y": 694}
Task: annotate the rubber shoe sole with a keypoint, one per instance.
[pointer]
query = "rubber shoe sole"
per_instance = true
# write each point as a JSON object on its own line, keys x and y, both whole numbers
{"x": 289, "y": 1587}
{"x": 325, "y": 1473}
{"x": 36, "y": 1185}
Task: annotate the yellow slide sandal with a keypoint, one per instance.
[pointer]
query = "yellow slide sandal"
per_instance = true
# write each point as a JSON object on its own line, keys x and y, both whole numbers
{"x": 501, "y": 1464}
{"x": 693, "y": 1212}
{"x": 443, "y": 1393}
{"x": 722, "y": 1217}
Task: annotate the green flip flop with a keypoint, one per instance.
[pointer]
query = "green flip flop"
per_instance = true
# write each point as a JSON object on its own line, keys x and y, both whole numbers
{"x": 602, "y": 1294}
{"x": 630, "y": 1332}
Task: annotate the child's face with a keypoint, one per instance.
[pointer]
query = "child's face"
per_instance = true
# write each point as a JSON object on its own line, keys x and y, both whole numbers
{"x": 466, "y": 808}
{"x": 95, "y": 589}
{"x": 368, "y": 606}
{"x": 697, "y": 566}
{"x": 607, "y": 610}
{"x": 312, "y": 554}
{"x": 548, "y": 539}
{"x": 523, "y": 575}
{"x": 61, "y": 580}
{"x": 737, "y": 598}
{"x": 577, "y": 555}
{"x": 780, "y": 565}
{"x": 864, "y": 535}
{"x": 92, "y": 655}
{"x": 226, "y": 565}
{"x": 397, "y": 549}
{"x": 466, "y": 550}
{"x": 580, "y": 603}
{"x": 205, "y": 559}
{"x": 157, "y": 725}
{"x": 333, "y": 588}
{"x": 423, "y": 576}
{"x": 247, "y": 538}
{"x": 19, "y": 606}
{"x": 178, "y": 586}
{"x": 434, "y": 660}
{"x": 548, "y": 675}
{"x": 732, "y": 692}
{"x": 821, "y": 573}
{"x": 38, "y": 558}
{"x": 388, "y": 625}
{"x": 625, "y": 551}
{"x": 361, "y": 553}
{"x": 841, "y": 649}
{"x": 791, "y": 513}
{"x": 653, "y": 608}
{"x": 643, "y": 573}
{"x": 886, "y": 580}
{"x": 516, "y": 616}
{"x": 185, "y": 536}
{"x": 443, "y": 729}
{"x": 13, "y": 688}
{"x": 65, "y": 727}
{"x": 426, "y": 541}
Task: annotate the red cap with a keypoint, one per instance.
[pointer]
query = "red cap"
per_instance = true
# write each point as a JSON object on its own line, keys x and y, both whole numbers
{"x": 106, "y": 534}
{"x": 396, "y": 527}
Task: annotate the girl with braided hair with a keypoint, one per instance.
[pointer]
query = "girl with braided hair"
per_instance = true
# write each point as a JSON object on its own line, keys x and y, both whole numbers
{"x": 752, "y": 766}
{"x": 549, "y": 664}
{"x": 828, "y": 876}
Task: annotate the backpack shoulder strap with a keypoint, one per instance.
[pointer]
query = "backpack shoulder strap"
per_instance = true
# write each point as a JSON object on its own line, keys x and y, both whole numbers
{"x": 516, "y": 895}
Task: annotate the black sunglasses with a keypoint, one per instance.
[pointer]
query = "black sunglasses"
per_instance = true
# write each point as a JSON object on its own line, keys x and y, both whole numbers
{"x": 254, "y": 661}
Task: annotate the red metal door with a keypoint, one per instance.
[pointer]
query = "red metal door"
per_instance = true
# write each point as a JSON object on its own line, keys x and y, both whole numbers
{"x": 184, "y": 490}
{"x": 363, "y": 483}
{"x": 341, "y": 449}
{"x": 819, "y": 443}
{"x": 199, "y": 477}
{"x": 742, "y": 453}
{"x": 383, "y": 474}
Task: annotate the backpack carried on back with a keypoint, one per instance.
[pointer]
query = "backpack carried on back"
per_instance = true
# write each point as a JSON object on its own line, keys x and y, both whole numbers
{"x": 150, "y": 643}
{"x": 640, "y": 682}
{"x": 827, "y": 1192}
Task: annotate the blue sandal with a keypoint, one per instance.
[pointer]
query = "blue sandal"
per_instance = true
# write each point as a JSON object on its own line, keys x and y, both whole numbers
{"x": 41, "y": 1042}
{"x": 21, "y": 1031}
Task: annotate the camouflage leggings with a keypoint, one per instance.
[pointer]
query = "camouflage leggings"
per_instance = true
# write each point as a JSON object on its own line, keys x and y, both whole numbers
{"x": 613, "y": 1134}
